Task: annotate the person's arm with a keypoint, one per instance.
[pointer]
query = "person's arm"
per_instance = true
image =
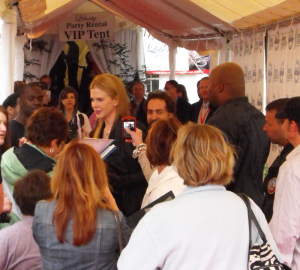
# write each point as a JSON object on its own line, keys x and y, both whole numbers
{"x": 145, "y": 165}
{"x": 285, "y": 223}
{"x": 137, "y": 139}
{"x": 1, "y": 198}
{"x": 141, "y": 251}
{"x": 7, "y": 205}
{"x": 4, "y": 250}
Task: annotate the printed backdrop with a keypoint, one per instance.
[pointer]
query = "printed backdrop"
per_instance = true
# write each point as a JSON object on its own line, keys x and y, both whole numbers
{"x": 249, "y": 53}
{"x": 283, "y": 69}
{"x": 283, "y": 58}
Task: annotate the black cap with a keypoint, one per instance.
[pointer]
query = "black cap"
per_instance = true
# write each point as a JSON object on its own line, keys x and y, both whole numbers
{"x": 291, "y": 110}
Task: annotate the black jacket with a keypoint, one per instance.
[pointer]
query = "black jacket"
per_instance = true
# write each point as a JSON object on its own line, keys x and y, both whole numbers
{"x": 125, "y": 175}
{"x": 141, "y": 113}
{"x": 195, "y": 110}
{"x": 243, "y": 124}
{"x": 183, "y": 110}
{"x": 270, "y": 181}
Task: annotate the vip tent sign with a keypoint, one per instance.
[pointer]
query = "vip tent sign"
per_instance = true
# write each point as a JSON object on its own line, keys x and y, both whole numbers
{"x": 90, "y": 26}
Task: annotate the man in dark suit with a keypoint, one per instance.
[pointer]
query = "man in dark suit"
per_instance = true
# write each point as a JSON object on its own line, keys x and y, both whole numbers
{"x": 137, "y": 105}
{"x": 200, "y": 111}
{"x": 183, "y": 107}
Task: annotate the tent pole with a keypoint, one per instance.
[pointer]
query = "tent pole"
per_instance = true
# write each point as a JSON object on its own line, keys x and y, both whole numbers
{"x": 7, "y": 53}
{"x": 172, "y": 59}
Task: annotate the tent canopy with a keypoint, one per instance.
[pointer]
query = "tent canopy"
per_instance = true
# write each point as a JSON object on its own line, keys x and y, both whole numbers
{"x": 182, "y": 21}
{"x": 185, "y": 22}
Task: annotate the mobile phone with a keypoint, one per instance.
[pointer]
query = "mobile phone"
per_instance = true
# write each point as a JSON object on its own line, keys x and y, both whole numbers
{"x": 48, "y": 93}
{"x": 128, "y": 122}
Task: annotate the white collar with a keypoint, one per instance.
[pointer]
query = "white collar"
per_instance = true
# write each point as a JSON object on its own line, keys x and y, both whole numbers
{"x": 156, "y": 179}
{"x": 190, "y": 189}
{"x": 294, "y": 153}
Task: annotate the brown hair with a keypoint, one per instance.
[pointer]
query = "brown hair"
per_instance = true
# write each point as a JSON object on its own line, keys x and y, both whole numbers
{"x": 277, "y": 105}
{"x": 203, "y": 156}
{"x": 158, "y": 94}
{"x": 45, "y": 125}
{"x": 79, "y": 191}
{"x": 114, "y": 88}
{"x": 6, "y": 145}
{"x": 63, "y": 95}
{"x": 161, "y": 139}
{"x": 203, "y": 79}
{"x": 30, "y": 189}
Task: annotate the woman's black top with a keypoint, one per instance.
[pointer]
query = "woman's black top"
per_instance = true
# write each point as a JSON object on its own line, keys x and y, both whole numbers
{"x": 125, "y": 175}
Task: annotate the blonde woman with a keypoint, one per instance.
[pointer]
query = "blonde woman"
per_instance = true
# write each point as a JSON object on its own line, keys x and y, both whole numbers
{"x": 110, "y": 103}
{"x": 204, "y": 227}
{"x": 77, "y": 229}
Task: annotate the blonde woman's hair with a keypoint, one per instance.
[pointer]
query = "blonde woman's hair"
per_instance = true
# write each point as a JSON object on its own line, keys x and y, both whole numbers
{"x": 203, "y": 156}
{"x": 78, "y": 187}
{"x": 114, "y": 88}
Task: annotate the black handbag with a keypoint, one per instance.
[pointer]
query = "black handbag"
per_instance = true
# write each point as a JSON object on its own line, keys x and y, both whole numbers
{"x": 260, "y": 256}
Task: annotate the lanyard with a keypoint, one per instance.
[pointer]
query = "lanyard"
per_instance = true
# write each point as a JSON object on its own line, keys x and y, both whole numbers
{"x": 202, "y": 119}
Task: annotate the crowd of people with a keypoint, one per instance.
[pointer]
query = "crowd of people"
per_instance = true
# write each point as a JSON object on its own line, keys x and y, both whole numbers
{"x": 65, "y": 208}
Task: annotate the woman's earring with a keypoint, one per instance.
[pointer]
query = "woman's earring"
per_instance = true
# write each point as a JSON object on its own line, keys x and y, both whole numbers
{"x": 51, "y": 150}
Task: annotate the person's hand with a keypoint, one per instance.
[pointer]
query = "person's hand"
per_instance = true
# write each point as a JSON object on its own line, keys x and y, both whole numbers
{"x": 136, "y": 136}
{"x": 7, "y": 205}
{"x": 47, "y": 99}
{"x": 22, "y": 141}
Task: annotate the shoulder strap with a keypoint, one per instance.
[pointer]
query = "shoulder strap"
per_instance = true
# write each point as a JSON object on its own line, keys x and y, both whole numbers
{"x": 246, "y": 201}
{"x": 119, "y": 230}
{"x": 252, "y": 217}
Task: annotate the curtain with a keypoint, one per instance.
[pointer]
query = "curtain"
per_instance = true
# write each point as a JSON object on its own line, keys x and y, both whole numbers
{"x": 103, "y": 56}
{"x": 45, "y": 59}
{"x": 19, "y": 58}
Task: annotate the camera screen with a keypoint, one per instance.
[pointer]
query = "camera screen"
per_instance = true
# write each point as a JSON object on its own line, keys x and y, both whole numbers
{"x": 129, "y": 124}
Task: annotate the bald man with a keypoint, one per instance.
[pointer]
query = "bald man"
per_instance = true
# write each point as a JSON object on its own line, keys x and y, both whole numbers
{"x": 243, "y": 124}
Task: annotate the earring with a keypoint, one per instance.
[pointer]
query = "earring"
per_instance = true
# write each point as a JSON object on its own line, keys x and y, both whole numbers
{"x": 51, "y": 150}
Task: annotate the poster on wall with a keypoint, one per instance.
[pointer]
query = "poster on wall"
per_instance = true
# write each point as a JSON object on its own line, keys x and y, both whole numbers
{"x": 89, "y": 26}
{"x": 187, "y": 62}
{"x": 283, "y": 58}
{"x": 249, "y": 53}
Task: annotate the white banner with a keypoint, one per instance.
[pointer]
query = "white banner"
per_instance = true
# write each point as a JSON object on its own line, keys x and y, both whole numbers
{"x": 187, "y": 62}
{"x": 90, "y": 26}
{"x": 283, "y": 58}
{"x": 249, "y": 54}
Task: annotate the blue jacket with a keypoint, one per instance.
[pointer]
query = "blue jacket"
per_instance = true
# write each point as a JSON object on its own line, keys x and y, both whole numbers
{"x": 100, "y": 253}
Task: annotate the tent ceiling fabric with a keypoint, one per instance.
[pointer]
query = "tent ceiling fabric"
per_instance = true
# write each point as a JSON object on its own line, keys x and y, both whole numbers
{"x": 232, "y": 10}
{"x": 172, "y": 18}
{"x": 187, "y": 23}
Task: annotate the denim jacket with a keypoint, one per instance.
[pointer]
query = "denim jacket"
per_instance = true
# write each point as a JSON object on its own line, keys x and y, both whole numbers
{"x": 100, "y": 253}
